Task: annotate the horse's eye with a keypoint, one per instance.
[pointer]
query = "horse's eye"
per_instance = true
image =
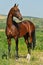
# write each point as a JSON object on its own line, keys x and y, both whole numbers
{"x": 18, "y": 10}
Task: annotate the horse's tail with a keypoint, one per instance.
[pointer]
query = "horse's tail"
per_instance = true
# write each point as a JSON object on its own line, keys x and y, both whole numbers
{"x": 34, "y": 39}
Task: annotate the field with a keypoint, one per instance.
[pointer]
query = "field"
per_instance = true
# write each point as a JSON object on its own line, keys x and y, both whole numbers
{"x": 36, "y": 55}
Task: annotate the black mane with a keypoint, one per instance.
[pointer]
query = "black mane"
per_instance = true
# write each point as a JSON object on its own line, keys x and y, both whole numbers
{"x": 16, "y": 24}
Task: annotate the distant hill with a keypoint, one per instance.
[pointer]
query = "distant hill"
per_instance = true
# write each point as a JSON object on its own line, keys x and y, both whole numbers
{"x": 3, "y": 16}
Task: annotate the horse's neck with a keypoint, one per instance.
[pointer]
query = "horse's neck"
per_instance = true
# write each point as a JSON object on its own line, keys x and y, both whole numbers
{"x": 9, "y": 20}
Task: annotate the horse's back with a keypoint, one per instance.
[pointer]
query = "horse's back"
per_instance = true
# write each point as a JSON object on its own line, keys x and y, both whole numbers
{"x": 28, "y": 25}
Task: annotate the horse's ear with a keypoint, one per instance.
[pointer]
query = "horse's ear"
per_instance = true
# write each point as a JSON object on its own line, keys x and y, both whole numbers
{"x": 15, "y": 5}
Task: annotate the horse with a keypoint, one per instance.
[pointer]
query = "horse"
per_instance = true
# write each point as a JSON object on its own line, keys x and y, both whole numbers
{"x": 15, "y": 30}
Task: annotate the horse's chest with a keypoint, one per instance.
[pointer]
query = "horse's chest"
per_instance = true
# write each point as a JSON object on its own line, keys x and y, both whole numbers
{"x": 12, "y": 31}
{"x": 8, "y": 31}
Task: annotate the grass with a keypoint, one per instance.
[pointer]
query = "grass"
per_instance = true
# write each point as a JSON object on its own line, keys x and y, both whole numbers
{"x": 2, "y": 23}
{"x": 36, "y": 55}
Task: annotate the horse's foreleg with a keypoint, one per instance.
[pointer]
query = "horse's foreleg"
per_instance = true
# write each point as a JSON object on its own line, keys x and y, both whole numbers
{"x": 16, "y": 48}
{"x": 9, "y": 46}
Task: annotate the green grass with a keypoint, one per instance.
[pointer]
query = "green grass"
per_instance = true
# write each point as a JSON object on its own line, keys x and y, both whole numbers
{"x": 2, "y": 23}
{"x": 36, "y": 55}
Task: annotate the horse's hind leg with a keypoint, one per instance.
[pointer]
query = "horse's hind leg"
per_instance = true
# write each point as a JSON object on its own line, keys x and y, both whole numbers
{"x": 34, "y": 40}
{"x": 9, "y": 45}
{"x": 27, "y": 43}
{"x": 28, "y": 47}
{"x": 30, "y": 42}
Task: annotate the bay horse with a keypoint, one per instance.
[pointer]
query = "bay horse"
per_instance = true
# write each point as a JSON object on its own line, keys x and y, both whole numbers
{"x": 15, "y": 30}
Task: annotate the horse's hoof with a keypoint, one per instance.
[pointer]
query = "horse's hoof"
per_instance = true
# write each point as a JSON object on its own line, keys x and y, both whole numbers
{"x": 17, "y": 57}
{"x": 28, "y": 57}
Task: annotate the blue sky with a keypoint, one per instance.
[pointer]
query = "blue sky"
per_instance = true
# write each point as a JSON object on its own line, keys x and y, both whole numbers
{"x": 27, "y": 7}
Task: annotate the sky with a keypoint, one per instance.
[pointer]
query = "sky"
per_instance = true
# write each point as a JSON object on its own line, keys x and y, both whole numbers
{"x": 27, "y": 7}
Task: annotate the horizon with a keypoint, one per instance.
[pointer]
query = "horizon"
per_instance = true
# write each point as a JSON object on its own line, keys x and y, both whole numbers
{"x": 23, "y": 16}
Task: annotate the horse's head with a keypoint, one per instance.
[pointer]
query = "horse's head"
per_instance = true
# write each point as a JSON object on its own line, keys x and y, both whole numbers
{"x": 16, "y": 12}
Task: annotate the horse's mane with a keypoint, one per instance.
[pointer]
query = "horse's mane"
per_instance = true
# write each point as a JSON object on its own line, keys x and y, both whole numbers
{"x": 14, "y": 23}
